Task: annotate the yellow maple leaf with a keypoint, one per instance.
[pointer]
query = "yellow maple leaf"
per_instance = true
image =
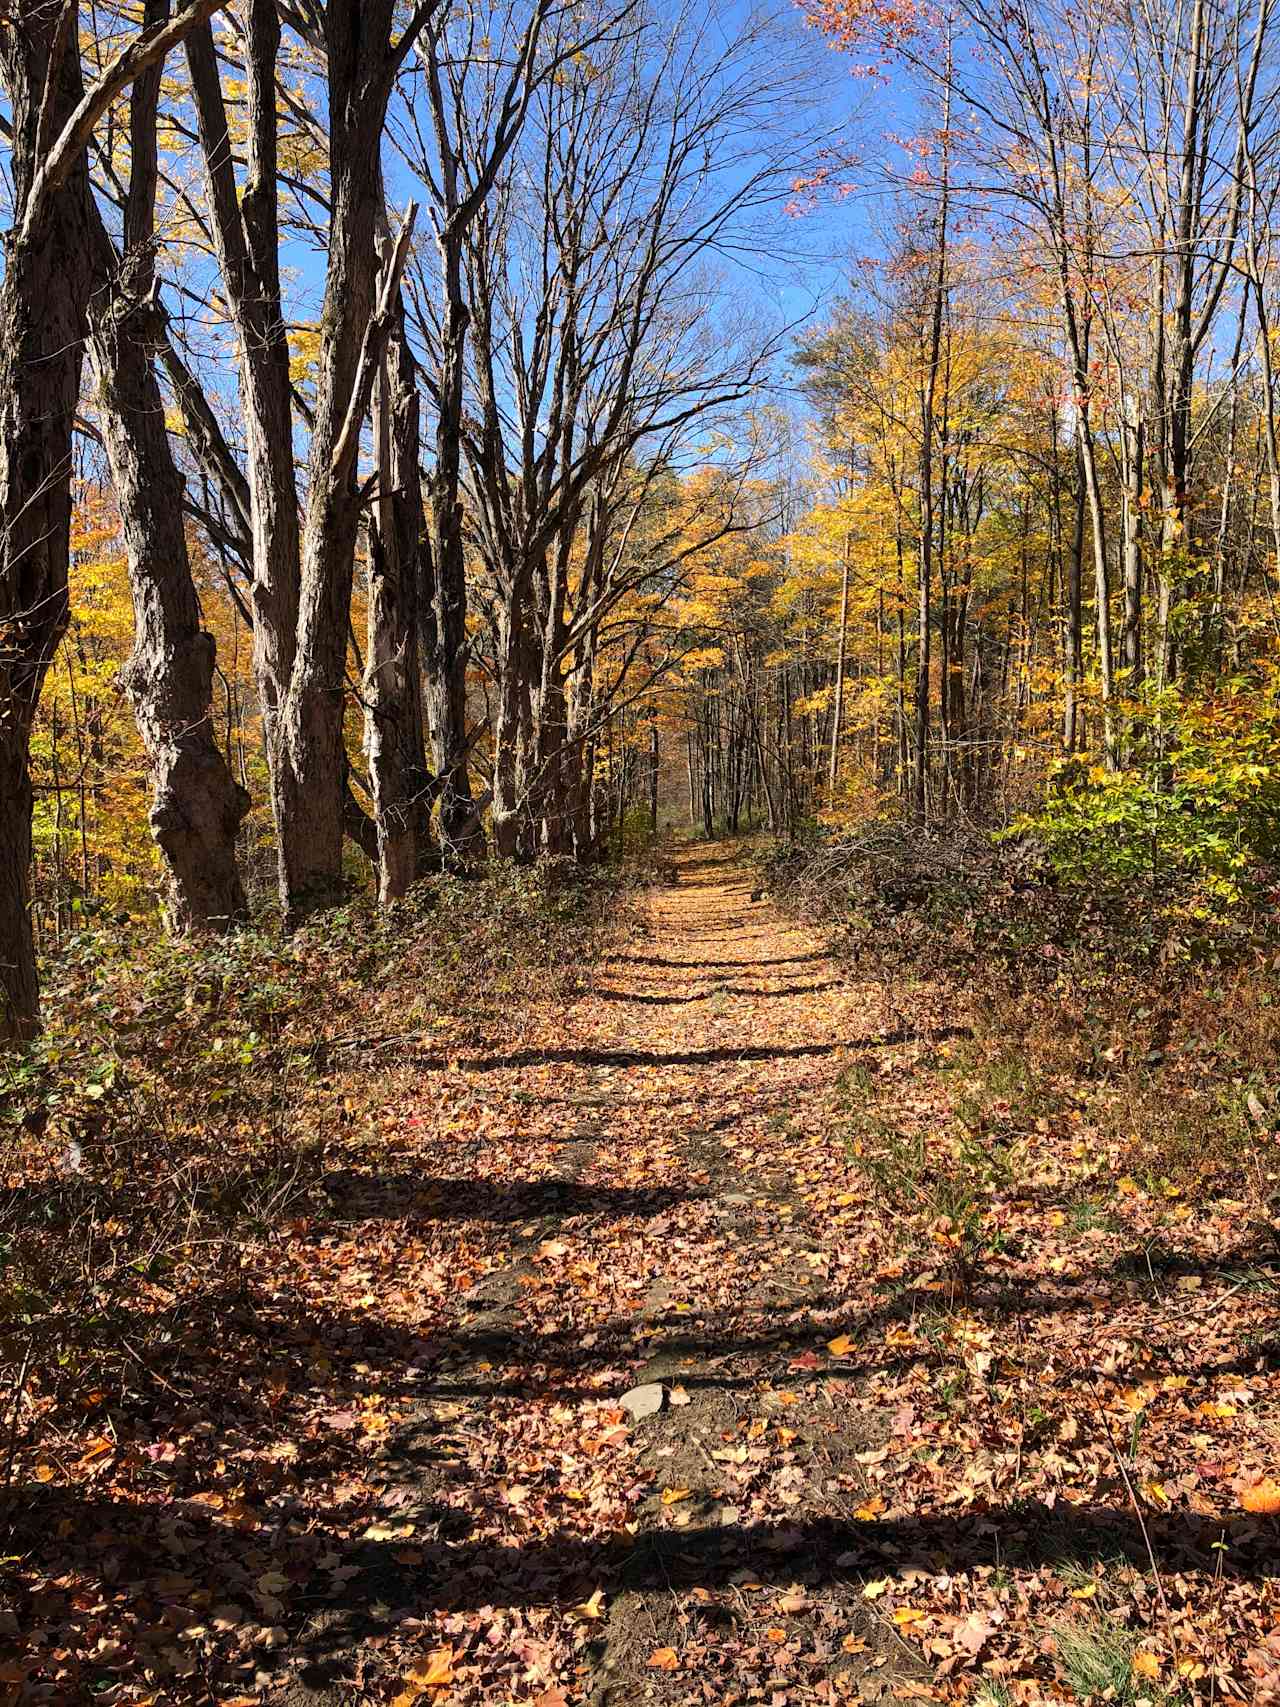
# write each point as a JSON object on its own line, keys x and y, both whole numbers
{"x": 435, "y": 1672}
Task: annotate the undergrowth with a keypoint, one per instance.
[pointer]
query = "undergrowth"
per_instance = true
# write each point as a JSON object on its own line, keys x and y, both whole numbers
{"x": 1146, "y": 1015}
{"x": 185, "y": 1098}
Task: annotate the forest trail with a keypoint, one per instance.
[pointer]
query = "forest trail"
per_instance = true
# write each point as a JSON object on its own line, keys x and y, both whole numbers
{"x": 646, "y": 1228}
{"x": 735, "y": 1328}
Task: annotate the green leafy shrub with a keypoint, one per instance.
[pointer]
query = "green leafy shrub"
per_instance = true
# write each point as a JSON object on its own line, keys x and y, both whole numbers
{"x": 1199, "y": 799}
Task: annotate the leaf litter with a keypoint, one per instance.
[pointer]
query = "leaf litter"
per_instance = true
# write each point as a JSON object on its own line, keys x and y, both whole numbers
{"x": 909, "y": 1449}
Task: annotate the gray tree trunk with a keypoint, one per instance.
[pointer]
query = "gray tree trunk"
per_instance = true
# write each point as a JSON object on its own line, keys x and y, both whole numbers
{"x": 196, "y": 806}
{"x": 445, "y": 654}
{"x": 47, "y": 279}
{"x": 393, "y": 683}
{"x": 246, "y": 235}
{"x": 355, "y": 323}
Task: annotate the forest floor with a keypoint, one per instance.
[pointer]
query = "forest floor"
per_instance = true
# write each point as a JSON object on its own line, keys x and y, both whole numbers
{"x": 607, "y": 1376}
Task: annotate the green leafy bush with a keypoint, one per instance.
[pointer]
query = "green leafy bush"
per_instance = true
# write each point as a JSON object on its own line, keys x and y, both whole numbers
{"x": 1199, "y": 799}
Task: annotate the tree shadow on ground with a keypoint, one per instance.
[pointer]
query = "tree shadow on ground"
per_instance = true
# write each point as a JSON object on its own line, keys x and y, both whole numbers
{"x": 714, "y": 965}
{"x": 269, "y": 1345}
{"x": 436, "y": 1197}
{"x": 645, "y": 1000}
{"x": 725, "y": 1054}
{"x": 339, "y": 1590}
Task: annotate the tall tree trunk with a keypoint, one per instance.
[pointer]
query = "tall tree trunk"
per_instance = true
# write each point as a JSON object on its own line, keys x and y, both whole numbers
{"x": 655, "y": 759}
{"x": 445, "y": 657}
{"x": 356, "y": 320}
{"x": 392, "y": 689}
{"x": 245, "y": 228}
{"x": 1075, "y": 608}
{"x": 582, "y": 712}
{"x": 837, "y": 710}
{"x": 508, "y": 754}
{"x": 1101, "y": 589}
{"x": 1187, "y": 263}
{"x": 928, "y": 398}
{"x": 196, "y": 806}
{"x": 1131, "y": 464}
{"x": 47, "y": 279}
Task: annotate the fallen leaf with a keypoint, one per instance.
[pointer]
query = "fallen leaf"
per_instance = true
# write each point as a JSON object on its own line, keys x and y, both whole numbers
{"x": 592, "y": 1608}
{"x": 664, "y": 1659}
{"x": 973, "y": 1634}
{"x": 435, "y": 1672}
{"x": 1263, "y": 1498}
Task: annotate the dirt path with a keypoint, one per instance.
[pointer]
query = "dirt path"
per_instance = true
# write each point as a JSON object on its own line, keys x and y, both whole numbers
{"x": 645, "y": 1228}
{"x": 662, "y": 1398}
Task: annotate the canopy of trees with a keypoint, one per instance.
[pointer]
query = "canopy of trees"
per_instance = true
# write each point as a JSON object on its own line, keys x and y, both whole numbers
{"x": 397, "y": 370}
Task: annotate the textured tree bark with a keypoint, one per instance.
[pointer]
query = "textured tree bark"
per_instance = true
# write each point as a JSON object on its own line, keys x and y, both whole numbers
{"x": 445, "y": 655}
{"x": 246, "y": 236}
{"x": 837, "y": 709}
{"x": 355, "y": 323}
{"x": 393, "y": 683}
{"x": 47, "y": 278}
{"x": 1131, "y": 456}
{"x": 548, "y": 804}
{"x": 472, "y": 139}
{"x": 196, "y": 806}
{"x": 512, "y": 730}
{"x": 19, "y": 986}
{"x": 932, "y": 355}
{"x": 1074, "y": 672}
{"x": 580, "y": 785}
{"x": 655, "y": 762}
{"x": 42, "y": 297}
